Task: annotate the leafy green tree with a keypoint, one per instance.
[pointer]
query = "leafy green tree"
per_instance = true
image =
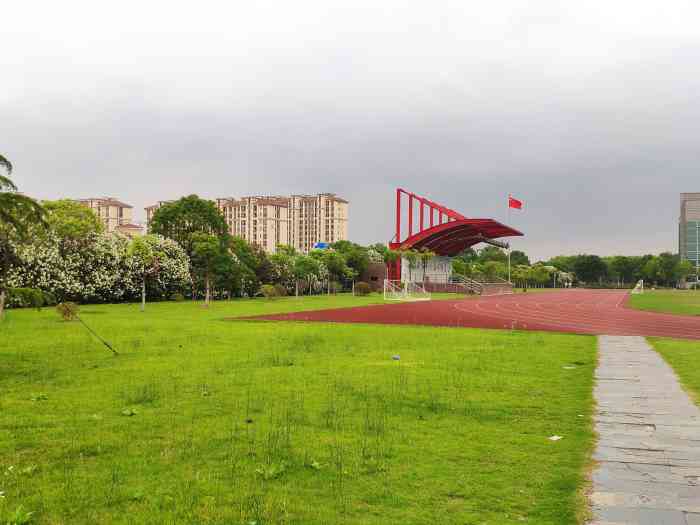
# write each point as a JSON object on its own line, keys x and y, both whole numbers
{"x": 147, "y": 261}
{"x": 588, "y": 268}
{"x": 335, "y": 263}
{"x": 651, "y": 271}
{"x": 468, "y": 255}
{"x": 248, "y": 260}
{"x": 668, "y": 264}
{"x": 683, "y": 269}
{"x": 305, "y": 269}
{"x": 492, "y": 253}
{"x": 206, "y": 250}
{"x": 518, "y": 257}
{"x": 183, "y": 219}
{"x": 18, "y": 213}
{"x": 411, "y": 257}
{"x": 19, "y": 216}
{"x": 563, "y": 262}
{"x": 356, "y": 256}
{"x": 71, "y": 221}
{"x": 493, "y": 269}
{"x": 282, "y": 262}
{"x": 540, "y": 274}
{"x": 425, "y": 255}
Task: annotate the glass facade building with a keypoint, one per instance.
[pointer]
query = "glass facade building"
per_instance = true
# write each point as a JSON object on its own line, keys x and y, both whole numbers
{"x": 689, "y": 228}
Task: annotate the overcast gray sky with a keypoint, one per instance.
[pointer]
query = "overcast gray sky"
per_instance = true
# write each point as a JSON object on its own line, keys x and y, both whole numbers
{"x": 587, "y": 111}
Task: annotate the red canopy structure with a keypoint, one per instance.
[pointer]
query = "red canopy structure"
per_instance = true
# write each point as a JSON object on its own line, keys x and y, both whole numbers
{"x": 438, "y": 228}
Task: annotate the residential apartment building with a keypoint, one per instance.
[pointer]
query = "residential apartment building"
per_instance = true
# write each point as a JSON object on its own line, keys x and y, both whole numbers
{"x": 263, "y": 221}
{"x": 689, "y": 228}
{"x": 301, "y": 221}
{"x": 115, "y": 215}
{"x": 317, "y": 218}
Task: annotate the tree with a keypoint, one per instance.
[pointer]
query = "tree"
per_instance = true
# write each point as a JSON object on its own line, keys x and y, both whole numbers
{"x": 492, "y": 253}
{"x": 146, "y": 261}
{"x": 588, "y": 268}
{"x": 356, "y": 256}
{"x": 248, "y": 261}
{"x": 563, "y": 262}
{"x": 540, "y": 274}
{"x": 183, "y": 219}
{"x": 206, "y": 249}
{"x": 71, "y": 221}
{"x": 335, "y": 263}
{"x": 411, "y": 257}
{"x": 19, "y": 214}
{"x": 683, "y": 269}
{"x": 651, "y": 271}
{"x": 468, "y": 255}
{"x": 493, "y": 269}
{"x": 305, "y": 269}
{"x": 425, "y": 256}
{"x": 282, "y": 262}
{"x": 518, "y": 257}
{"x": 667, "y": 267}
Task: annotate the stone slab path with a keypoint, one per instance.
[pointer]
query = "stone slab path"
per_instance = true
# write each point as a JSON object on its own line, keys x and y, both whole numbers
{"x": 648, "y": 451}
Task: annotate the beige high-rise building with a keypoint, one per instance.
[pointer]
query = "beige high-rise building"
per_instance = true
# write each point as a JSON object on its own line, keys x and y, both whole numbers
{"x": 317, "y": 218}
{"x": 115, "y": 215}
{"x": 300, "y": 221}
{"x": 262, "y": 221}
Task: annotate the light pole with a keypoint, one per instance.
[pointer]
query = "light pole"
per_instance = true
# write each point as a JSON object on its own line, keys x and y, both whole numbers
{"x": 697, "y": 252}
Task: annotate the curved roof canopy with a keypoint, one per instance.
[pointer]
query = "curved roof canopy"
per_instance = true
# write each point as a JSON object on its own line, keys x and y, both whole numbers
{"x": 451, "y": 238}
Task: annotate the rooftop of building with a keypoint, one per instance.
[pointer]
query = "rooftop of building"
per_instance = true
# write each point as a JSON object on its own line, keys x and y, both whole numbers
{"x": 108, "y": 201}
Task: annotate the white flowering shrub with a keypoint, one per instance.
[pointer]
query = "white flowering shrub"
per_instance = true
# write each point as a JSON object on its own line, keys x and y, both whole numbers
{"x": 98, "y": 269}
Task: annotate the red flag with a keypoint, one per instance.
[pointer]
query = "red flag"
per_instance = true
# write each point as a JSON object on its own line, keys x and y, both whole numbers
{"x": 515, "y": 203}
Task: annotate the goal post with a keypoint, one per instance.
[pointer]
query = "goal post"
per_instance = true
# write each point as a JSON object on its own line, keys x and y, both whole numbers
{"x": 395, "y": 290}
{"x": 639, "y": 288}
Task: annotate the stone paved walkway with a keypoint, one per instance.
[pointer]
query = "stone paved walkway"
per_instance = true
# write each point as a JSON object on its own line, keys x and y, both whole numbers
{"x": 648, "y": 453}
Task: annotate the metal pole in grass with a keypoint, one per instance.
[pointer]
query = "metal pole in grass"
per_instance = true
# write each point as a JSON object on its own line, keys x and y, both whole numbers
{"x": 95, "y": 334}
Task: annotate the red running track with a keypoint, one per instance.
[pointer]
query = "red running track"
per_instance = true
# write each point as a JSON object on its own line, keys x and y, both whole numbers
{"x": 572, "y": 311}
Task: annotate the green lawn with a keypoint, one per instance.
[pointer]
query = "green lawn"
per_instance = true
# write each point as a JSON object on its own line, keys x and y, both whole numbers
{"x": 686, "y": 302}
{"x": 684, "y": 358}
{"x": 202, "y": 420}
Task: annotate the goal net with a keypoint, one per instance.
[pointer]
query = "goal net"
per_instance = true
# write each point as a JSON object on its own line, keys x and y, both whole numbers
{"x": 404, "y": 291}
{"x": 639, "y": 288}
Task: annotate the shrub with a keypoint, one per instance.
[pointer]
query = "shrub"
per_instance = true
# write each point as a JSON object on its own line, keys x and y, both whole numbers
{"x": 269, "y": 291}
{"x": 29, "y": 298}
{"x": 68, "y": 311}
{"x": 178, "y": 297}
{"x": 281, "y": 290}
{"x": 49, "y": 299}
{"x": 335, "y": 287}
{"x": 362, "y": 288}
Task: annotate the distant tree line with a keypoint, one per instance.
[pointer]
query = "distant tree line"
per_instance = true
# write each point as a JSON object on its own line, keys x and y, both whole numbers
{"x": 665, "y": 269}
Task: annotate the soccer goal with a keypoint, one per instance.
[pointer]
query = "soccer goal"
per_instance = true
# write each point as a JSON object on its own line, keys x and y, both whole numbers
{"x": 640, "y": 287}
{"x": 404, "y": 291}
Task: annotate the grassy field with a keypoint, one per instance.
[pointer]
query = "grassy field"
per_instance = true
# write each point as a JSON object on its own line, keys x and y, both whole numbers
{"x": 684, "y": 358}
{"x": 202, "y": 420}
{"x": 685, "y": 302}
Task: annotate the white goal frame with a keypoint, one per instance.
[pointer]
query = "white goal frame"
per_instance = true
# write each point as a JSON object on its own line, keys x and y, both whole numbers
{"x": 395, "y": 290}
{"x": 639, "y": 288}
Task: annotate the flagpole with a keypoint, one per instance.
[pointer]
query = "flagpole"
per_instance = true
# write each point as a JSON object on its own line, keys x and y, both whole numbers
{"x": 508, "y": 201}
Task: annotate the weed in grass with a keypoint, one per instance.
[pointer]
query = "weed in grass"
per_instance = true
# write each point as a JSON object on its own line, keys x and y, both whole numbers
{"x": 141, "y": 394}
